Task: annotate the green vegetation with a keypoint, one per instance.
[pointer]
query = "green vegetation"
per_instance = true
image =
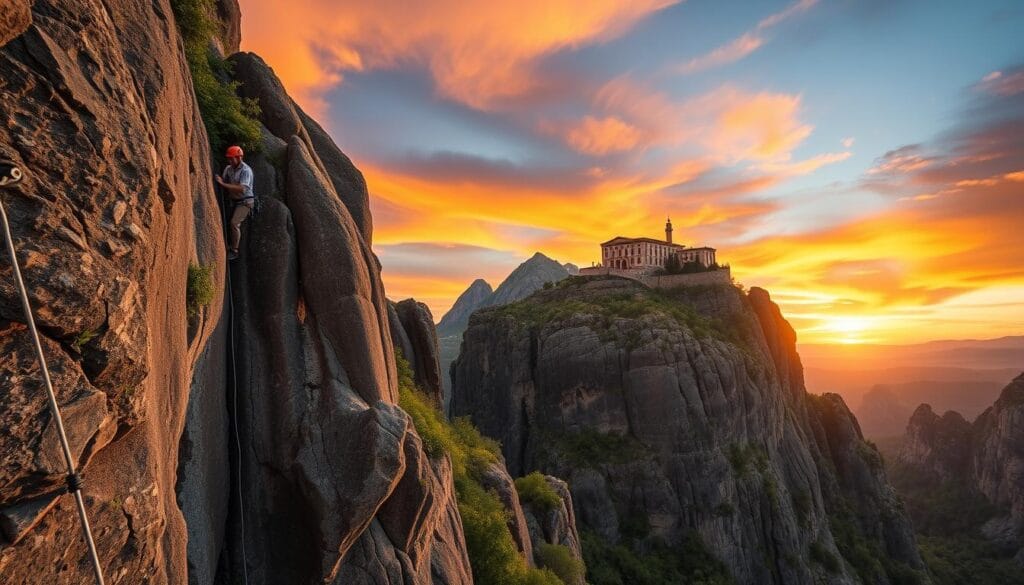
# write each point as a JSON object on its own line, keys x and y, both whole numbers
{"x": 534, "y": 490}
{"x": 673, "y": 304}
{"x": 83, "y": 338}
{"x": 689, "y": 563}
{"x": 673, "y": 266}
{"x": 968, "y": 560}
{"x": 866, "y": 557}
{"x": 199, "y": 288}
{"x": 559, "y": 560}
{"x": 801, "y": 500}
{"x": 869, "y": 452}
{"x": 635, "y": 525}
{"x": 821, "y": 555}
{"x": 745, "y": 458}
{"x": 589, "y": 447}
{"x": 948, "y": 518}
{"x": 228, "y": 118}
{"x": 492, "y": 552}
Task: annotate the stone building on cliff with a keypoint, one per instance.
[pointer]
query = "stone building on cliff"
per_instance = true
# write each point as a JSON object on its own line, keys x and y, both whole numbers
{"x": 648, "y": 254}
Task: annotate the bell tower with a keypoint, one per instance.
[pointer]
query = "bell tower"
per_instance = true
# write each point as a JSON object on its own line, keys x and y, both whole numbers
{"x": 668, "y": 230}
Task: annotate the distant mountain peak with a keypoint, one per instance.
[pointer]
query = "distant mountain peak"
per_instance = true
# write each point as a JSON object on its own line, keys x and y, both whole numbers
{"x": 454, "y": 321}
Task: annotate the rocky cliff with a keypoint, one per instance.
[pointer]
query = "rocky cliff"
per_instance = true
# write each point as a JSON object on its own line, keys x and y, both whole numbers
{"x": 680, "y": 422}
{"x": 985, "y": 458}
{"x": 117, "y": 206}
{"x": 335, "y": 485}
{"x": 412, "y": 328}
{"x": 253, "y": 434}
{"x": 941, "y": 446}
{"x": 999, "y": 454}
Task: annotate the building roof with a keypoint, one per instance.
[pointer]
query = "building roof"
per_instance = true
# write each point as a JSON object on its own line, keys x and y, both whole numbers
{"x": 623, "y": 240}
{"x": 702, "y": 248}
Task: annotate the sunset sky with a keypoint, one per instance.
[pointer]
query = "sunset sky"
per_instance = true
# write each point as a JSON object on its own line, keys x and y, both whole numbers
{"x": 863, "y": 160}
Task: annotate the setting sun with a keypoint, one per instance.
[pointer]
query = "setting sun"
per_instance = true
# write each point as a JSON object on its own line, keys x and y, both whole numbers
{"x": 851, "y": 329}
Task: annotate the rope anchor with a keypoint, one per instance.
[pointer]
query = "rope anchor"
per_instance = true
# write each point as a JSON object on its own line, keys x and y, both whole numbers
{"x": 11, "y": 175}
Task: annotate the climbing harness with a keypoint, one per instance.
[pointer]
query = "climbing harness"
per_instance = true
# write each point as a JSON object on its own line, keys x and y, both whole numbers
{"x": 234, "y": 401}
{"x": 11, "y": 175}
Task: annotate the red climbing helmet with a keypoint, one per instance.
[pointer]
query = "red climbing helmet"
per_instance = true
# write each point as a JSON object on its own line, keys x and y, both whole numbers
{"x": 234, "y": 151}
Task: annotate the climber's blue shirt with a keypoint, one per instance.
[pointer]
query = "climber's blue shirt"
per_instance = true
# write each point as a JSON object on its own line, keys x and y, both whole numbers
{"x": 240, "y": 176}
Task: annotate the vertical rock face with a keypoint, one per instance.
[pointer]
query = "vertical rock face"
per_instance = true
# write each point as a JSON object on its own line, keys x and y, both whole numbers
{"x": 985, "y": 457}
{"x": 398, "y": 335}
{"x": 117, "y": 205}
{"x": 555, "y": 525}
{"x": 271, "y": 443}
{"x": 496, "y": 479}
{"x": 335, "y": 485}
{"x": 938, "y": 445}
{"x": 858, "y": 492}
{"x": 999, "y": 454}
{"x": 229, "y": 15}
{"x": 673, "y": 414}
{"x": 418, "y": 325}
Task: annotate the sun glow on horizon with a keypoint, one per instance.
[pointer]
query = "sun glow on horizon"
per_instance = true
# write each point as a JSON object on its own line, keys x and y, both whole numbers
{"x": 851, "y": 329}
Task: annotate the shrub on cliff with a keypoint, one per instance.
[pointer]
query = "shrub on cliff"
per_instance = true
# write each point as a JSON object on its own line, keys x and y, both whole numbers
{"x": 492, "y": 552}
{"x": 618, "y": 564}
{"x": 535, "y": 490}
{"x": 228, "y": 118}
{"x": 199, "y": 289}
{"x": 559, "y": 559}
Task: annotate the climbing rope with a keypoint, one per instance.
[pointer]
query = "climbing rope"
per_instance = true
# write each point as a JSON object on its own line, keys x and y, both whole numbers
{"x": 11, "y": 175}
{"x": 234, "y": 401}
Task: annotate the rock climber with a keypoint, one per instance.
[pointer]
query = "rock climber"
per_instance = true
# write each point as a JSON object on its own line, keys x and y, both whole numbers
{"x": 236, "y": 180}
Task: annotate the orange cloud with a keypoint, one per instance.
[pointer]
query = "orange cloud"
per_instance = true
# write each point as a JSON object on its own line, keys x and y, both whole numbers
{"x": 727, "y": 124}
{"x": 804, "y": 167}
{"x": 762, "y": 127}
{"x": 743, "y": 45}
{"x": 730, "y": 53}
{"x": 472, "y": 52}
{"x": 599, "y": 136}
{"x": 1017, "y": 176}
